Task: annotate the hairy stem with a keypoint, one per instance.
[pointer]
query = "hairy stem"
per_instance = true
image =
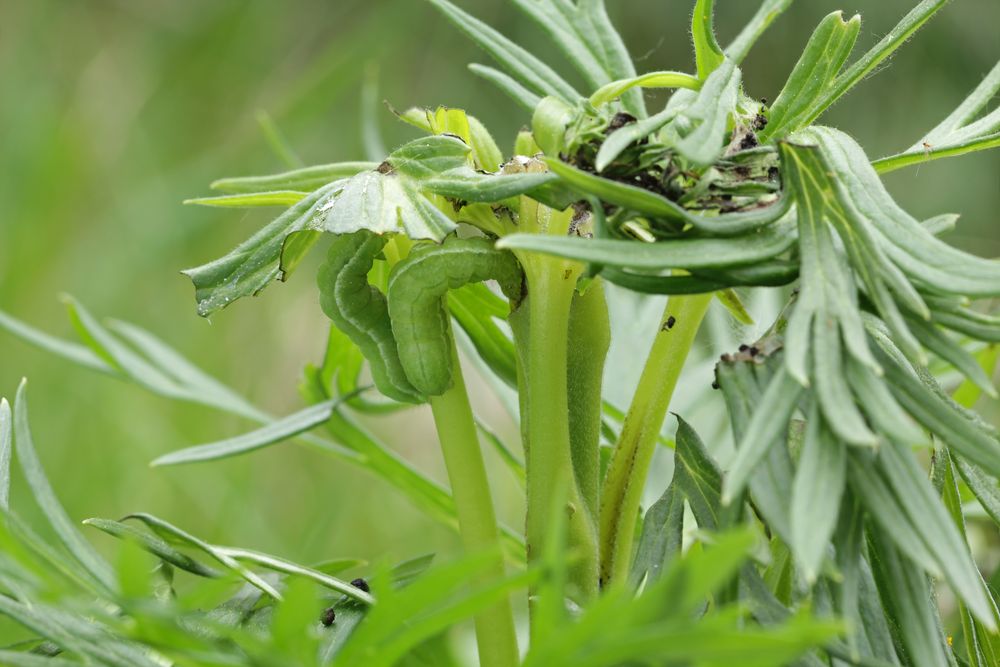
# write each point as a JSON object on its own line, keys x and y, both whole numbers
{"x": 551, "y": 287}
{"x": 633, "y": 452}
{"x": 589, "y": 339}
{"x": 477, "y": 521}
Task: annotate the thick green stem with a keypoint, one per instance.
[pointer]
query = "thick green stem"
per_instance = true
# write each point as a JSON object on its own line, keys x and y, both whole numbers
{"x": 589, "y": 339}
{"x": 477, "y": 521}
{"x": 626, "y": 478}
{"x": 551, "y": 286}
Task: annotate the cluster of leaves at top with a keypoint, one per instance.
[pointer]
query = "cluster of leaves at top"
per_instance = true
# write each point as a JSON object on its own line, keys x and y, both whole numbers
{"x": 818, "y": 542}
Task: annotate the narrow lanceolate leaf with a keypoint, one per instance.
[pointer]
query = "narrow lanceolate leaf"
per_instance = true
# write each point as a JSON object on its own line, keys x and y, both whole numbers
{"x": 907, "y": 600}
{"x": 651, "y": 204}
{"x": 877, "y": 497}
{"x": 203, "y": 387}
{"x": 968, "y": 435}
{"x": 696, "y": 253}
{"x": 299, "y": 180}
{"x": 662, "y": 532}
{"x": 708, "y": 54}
{"x": 56, "y": 516}
{"x": 824, "y": 55}
{"x": 153, "y": 545}
{"x": 252, "y": 199}
{"x": 73, "y": 352}
{"x": 117, "y": 354}
{"x": 596, "y": 27}
{"x": 768, "y": 424}
{"x": 702, "y": 125}
{"x": 952, "y": 352}
{"x": 275, "y": 432}
{"x": 769, "y": 10}
{"x": 816, "y": 494}
{"x": 961, "y": 123}
{"x": 918, "y": 253}
{"x": 509, "y": 85}
{"x": 524, "y": 66}
{"x": 830, "y": 287}
{"x": 470, "y": 186}
{"x": 938, "y": 532}
{"x": 932, "y": 152}
{"x": 6, "y": 443}
{"x": 284, "y": 566}
{"x": 743, "y": 383}
{"x": 984, "y": 487}
{"x": 556, "y": 19}
{"x": 697, "y": 476}
{"x": 865, "y": 65}
{"x": 615, "y": 89}
{"x": 173, "y": 534}
{"x": 976, "y": 636}
{"x": 771, "y": 274}
{"x": 585, "y": 35}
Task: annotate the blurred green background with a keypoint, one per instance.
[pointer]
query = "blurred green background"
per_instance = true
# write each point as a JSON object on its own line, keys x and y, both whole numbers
{"x": 113, "y": 111}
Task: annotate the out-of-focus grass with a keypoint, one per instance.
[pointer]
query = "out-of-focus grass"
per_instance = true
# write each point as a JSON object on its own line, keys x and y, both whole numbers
{"x": 113, "y": 112}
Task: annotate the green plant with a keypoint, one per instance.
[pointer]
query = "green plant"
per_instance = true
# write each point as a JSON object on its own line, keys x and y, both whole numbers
{"x": 822, "y": 538}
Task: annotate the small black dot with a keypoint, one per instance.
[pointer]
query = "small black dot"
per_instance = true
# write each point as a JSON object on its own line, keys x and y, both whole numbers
{"x": 329, "y": 616}
{"x": 669, "y": 324}
{"x": 361, "y": 584}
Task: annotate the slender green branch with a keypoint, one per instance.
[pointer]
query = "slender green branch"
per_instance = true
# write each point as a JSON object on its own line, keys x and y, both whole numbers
{"x": 633, "y": 453}
{"x": 477, "y": 521}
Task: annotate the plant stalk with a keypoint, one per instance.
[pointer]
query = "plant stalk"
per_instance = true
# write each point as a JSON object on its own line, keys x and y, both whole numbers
{"x": 456, "y": 427}
{"x": 551, "y": 287}
{"x": 626, "y": 477}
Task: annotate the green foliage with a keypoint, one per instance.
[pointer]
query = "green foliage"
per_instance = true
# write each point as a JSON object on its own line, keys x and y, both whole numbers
{"x": 819, "y": 538}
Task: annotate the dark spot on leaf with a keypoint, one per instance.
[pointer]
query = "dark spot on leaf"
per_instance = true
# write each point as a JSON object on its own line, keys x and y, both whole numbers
{"x": 361, "y": 584}
{"x": 669, "y": 324}
{"x": 749, "y": 141}
{"x": 328, "y": 617}
{"x": 759, "y": 122}
{"x": 384, "y": 168}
